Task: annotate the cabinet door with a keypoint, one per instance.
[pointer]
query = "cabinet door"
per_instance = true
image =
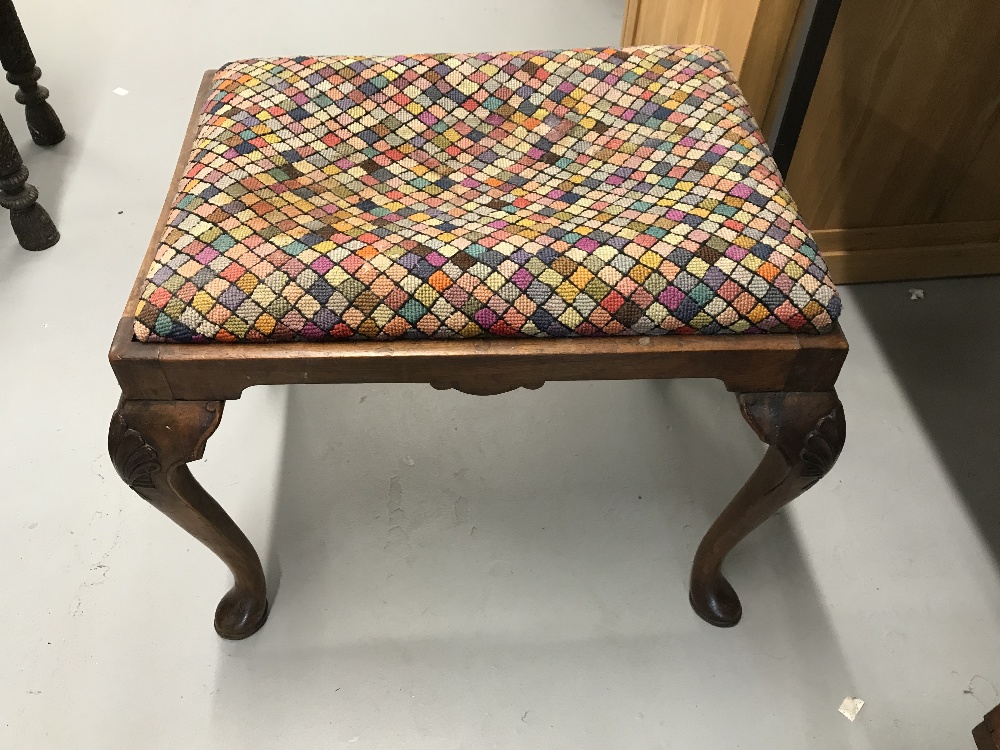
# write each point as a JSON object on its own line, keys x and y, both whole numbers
{"x": 898, "y": 157}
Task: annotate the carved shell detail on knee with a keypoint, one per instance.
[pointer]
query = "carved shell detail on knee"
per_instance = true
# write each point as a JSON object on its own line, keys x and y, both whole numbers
{"x": 133, "y": 458}
{"x": 821, "y": 448}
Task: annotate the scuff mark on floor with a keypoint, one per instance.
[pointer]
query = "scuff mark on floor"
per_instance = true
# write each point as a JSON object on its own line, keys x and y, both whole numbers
{"x": 976, "y": 692}
{"x": 102, "y": 571}
{"x": 396, "y": 537}
{"x": 461, "y": 509}
{"x": 395, "y": 494}
{"x": 96, "y": 462}
{"x": 97, "y": 573}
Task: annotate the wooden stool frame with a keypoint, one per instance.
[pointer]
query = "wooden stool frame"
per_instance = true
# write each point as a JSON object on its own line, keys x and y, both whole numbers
{"x": 173, "y": 396}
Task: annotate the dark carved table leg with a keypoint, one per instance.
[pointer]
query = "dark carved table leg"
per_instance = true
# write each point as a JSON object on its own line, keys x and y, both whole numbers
{"x": 31, "y": 222}
{"x": 151, "y": 443}
{"x": 805, "y": 434}
{"x": 19, "y": 62}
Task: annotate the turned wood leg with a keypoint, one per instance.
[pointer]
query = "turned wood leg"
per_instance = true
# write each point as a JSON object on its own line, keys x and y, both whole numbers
{"x": 31, "y": 222}
{"x": 19, "y": 62}
{"x": 151, "y": 443}
{"x": 805, "y": 434}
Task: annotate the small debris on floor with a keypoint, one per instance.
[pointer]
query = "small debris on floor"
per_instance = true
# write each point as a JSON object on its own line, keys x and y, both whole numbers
{"x": 120, "y": 91}
{"x": 985, "y": 699}
{"x": 916, "y": 293}
{"x": 850, "y": 707}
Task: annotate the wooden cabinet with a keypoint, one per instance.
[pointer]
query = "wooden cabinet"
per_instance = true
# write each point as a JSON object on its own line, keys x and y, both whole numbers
{"x": 899, "y": 156}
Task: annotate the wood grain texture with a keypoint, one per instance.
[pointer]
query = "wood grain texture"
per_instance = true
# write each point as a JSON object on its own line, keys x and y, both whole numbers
{"x": 979, "y": 183}
{"x": 629, "y": 22}
{"x": 917, "y": 251}
{"x": 767, "y": 56}
{"x": 223, "y": 371}
{"x": 725, "y": 24}
{"x": 904, "y": 120}
{"x": 907, "y": 236}
{"x": 902, "y": 263}
{"x": 151, "y": 443}
{"x": 896, "y": 165}
{"x": 805, "y": 434}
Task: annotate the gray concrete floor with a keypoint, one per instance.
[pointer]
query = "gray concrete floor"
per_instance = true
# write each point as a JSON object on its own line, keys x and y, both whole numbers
{"x": 454, "y": 572}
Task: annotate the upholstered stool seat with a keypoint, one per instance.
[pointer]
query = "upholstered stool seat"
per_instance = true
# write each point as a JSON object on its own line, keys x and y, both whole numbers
{"x": 481, "y": 223}
{"x": 572, "y": 193}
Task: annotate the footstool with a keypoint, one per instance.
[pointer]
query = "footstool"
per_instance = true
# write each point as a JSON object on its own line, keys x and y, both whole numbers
{"x": 481, "y": 222}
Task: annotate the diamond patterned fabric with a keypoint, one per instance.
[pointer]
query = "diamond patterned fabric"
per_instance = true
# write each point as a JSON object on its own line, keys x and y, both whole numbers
{"x": 592, "y": 192}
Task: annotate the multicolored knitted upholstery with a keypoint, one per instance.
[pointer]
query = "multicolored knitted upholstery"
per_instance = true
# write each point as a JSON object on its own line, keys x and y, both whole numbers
{"x": 591, "y": 192}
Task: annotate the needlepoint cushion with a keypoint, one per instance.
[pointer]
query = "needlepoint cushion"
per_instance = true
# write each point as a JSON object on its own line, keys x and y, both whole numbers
{"x": 590, "y": 192}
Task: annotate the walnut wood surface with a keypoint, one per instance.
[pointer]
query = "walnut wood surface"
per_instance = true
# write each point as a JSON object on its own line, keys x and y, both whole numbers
{"x": 223, "y": 371}
{"x": 987, "y": 733}
{"x": 150, "y": 444}
{"x": 805, "y": 433}
{"x": 984, "y": 738}
{"x": 173, "y": 394}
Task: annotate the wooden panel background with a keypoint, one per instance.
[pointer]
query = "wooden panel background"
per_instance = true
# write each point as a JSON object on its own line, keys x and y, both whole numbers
{"x": 897, "y": 162}
{"x": 721, "y": 23}
{"x": 767, "y": 57}
{"x": 903, "y": 137}
{"x": 911, "y": 251}
{"x": 904, "y": 125}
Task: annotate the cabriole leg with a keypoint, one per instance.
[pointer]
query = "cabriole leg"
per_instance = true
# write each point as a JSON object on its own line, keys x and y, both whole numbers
{"x": 151, "y": 443}
{"x": 805, "y": 434}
